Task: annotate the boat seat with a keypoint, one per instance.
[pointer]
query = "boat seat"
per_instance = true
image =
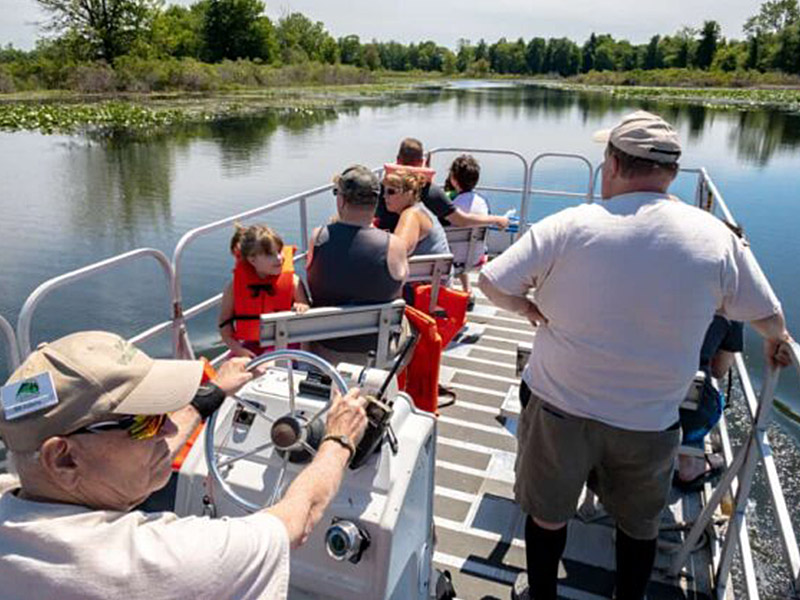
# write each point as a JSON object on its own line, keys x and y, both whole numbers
{"x": 463, "y": 241}
{"x": 280, "y": 329}
{"x": 434, "y": 269}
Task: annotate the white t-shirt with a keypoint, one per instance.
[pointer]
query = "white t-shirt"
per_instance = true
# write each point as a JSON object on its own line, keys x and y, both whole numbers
{"x": 629, "y": 287}
{"x": 72, "y": 552}
{"x": 469, "y": 202}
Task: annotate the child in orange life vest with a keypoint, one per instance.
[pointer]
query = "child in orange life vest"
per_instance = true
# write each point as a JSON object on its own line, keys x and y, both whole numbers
{"x": 264, "y": 281}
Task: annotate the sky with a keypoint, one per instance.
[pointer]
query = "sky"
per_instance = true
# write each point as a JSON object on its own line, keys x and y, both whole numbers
{"x": 446, "y": 21}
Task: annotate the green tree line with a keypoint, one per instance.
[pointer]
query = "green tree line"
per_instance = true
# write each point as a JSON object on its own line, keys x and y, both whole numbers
{"x": 114, "y": 32}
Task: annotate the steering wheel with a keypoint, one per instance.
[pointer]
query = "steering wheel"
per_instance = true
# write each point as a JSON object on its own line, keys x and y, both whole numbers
{"x": 292, "y": 434}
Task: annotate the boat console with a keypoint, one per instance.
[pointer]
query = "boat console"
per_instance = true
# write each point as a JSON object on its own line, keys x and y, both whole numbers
{"x": 376, "y": 538}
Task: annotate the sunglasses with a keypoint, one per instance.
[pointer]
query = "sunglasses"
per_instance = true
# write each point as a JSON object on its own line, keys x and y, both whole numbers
{"x": 139, "y": 427}
{"x": 392, "y": 191}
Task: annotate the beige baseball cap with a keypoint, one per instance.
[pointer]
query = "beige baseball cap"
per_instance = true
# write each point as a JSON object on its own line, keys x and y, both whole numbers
{"x": 644, "y": 135}
{"x": 88, "y": 377}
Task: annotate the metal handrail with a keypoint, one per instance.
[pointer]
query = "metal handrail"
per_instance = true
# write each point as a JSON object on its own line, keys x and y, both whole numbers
{"x": 739, "y": 477}
{"x": 525, "y": 190}
{"x": 26, "y": 313}
{"x": 589, "y": 195}
{"x": 11, "y": 343}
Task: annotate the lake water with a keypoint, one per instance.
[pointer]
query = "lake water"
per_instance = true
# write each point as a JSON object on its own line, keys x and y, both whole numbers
{"x": 71, "y": 200}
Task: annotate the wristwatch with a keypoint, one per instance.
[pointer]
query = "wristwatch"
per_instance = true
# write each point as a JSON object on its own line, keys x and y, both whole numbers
{"x": 208, "y": 398}
{"x": 343, "y": 441}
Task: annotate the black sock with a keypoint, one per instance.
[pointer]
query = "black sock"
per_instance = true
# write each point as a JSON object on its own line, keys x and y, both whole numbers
{"x": 543, "y": 550}
{"x": 635, "y": 559}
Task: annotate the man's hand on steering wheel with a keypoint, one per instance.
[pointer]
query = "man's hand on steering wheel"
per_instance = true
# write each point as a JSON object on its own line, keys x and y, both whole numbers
{"x": 347, "y": 416}
{"x": 232, "y": 375}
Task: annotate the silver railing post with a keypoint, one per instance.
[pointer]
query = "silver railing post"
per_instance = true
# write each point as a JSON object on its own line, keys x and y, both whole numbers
{"x": 11, "y": 344}
{"x": 304, "y": 224}
{"x": 530, "y": 190}
{"x": 756, "y": 438}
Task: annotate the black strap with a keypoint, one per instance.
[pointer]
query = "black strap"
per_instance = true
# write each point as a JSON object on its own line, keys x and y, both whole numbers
{"x": 208, "y": 399}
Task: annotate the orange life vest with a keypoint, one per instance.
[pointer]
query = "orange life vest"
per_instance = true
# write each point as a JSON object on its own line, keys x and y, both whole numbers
{"x": 254, "y": 296}
{"x": 421, "y": 377}
{"x": 425, "y": 172}
{"x": 209, "y": 373}
{"x": 454, "y": 303}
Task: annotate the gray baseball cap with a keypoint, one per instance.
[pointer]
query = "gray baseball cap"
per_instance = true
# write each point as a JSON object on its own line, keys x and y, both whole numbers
{"x": 358, "y": 185}
{"x": 644, "y": 135}
{"x": 88, "y": 377}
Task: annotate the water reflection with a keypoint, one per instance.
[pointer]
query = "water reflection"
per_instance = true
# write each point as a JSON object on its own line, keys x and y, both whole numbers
{"x": 127, "y": 180}
{"x": 757, "y": 135}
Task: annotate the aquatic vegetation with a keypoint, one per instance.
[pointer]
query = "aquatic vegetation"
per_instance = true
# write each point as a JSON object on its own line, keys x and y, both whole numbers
{"x": 68, "y": 118}
{"x": 783, "y": 98}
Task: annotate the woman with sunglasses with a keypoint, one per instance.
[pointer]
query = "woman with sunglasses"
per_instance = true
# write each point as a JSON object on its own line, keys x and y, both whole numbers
{"x": 419, "y": 229}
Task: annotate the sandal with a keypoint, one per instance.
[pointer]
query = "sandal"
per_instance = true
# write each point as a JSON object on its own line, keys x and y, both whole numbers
{"x": 712, "y": 473}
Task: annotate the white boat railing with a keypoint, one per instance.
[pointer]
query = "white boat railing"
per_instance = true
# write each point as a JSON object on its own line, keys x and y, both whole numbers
{"x": 27, "y": 311}
{"x": 738, "y": 478}
{"x": 11, "y": 344}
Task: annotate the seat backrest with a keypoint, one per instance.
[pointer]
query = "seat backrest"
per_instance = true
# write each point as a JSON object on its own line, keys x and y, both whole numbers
{"x": 280, "y": 329}
{"x": 431, "y": 268}
{"x": 462, "y": 242}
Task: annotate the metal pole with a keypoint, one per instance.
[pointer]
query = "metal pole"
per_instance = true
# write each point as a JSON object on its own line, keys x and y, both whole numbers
{"x": 746, "y": 480}
{"x": 11, "y": 342}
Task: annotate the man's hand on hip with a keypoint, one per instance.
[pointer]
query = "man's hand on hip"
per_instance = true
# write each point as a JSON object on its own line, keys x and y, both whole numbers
{"x": 533, "y": 315}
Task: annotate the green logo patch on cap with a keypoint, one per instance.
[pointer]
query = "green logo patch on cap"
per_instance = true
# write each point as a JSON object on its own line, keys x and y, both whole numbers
{"x": 28, "y": 396}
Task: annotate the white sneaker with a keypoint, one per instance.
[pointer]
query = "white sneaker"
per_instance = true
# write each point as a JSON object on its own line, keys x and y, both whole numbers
{"x": 521, "y": 590}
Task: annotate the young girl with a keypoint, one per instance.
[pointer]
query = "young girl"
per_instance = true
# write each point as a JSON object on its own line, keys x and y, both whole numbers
{"x": 264, "y": 281}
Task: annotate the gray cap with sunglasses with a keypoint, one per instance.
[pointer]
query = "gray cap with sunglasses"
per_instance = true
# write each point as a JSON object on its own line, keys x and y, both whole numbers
{"x": 88, "y": 377}
{"x": 358, "y": 185}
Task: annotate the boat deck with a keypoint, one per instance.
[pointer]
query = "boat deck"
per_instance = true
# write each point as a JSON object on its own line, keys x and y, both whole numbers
{"x": 479, "y": 528}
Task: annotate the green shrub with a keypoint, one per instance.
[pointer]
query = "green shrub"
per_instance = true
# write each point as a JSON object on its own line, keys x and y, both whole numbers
{"x": 7, "y": 84}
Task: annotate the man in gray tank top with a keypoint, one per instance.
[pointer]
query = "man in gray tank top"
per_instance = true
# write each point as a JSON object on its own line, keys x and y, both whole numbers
{"x": 351, "y": 262}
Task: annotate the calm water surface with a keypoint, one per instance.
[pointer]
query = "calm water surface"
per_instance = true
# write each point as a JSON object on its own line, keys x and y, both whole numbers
{"x": 71, "y": 200}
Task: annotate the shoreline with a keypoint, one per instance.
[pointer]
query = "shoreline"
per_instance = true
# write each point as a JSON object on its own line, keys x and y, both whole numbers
{"x": 56, "y": 111}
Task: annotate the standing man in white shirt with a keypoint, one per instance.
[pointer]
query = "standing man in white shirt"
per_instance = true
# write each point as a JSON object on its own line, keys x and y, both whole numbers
{"x": 86, "y": 419}
{"x": 623, "y": 291}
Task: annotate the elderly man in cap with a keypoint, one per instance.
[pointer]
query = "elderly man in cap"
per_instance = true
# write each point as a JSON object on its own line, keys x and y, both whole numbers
{"x": 87, "y": 421}
{"x": 352, "y": 262}
{"x": 623, "y": 292}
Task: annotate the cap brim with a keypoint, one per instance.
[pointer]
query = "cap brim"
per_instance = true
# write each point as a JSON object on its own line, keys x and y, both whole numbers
{"x": 601, "y": 136}
{"x": 169, "y": 386}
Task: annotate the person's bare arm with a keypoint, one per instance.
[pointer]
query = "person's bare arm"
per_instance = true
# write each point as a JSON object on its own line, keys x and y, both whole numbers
{"x": 231, "y": 376}
{"x": 315, "y": 487}
{"x": 773, "y": 330}
{"x": 409, "y": 229}
{"x": 459, "y": 218}
{"x": 300, "y": 302}
{"x": 397, "y": 259}
{"x": 518, "y": 304}
{"x": 226, "y": 331}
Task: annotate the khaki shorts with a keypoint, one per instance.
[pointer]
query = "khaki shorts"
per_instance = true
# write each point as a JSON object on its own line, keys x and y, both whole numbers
{"x": 557, "y": 451}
